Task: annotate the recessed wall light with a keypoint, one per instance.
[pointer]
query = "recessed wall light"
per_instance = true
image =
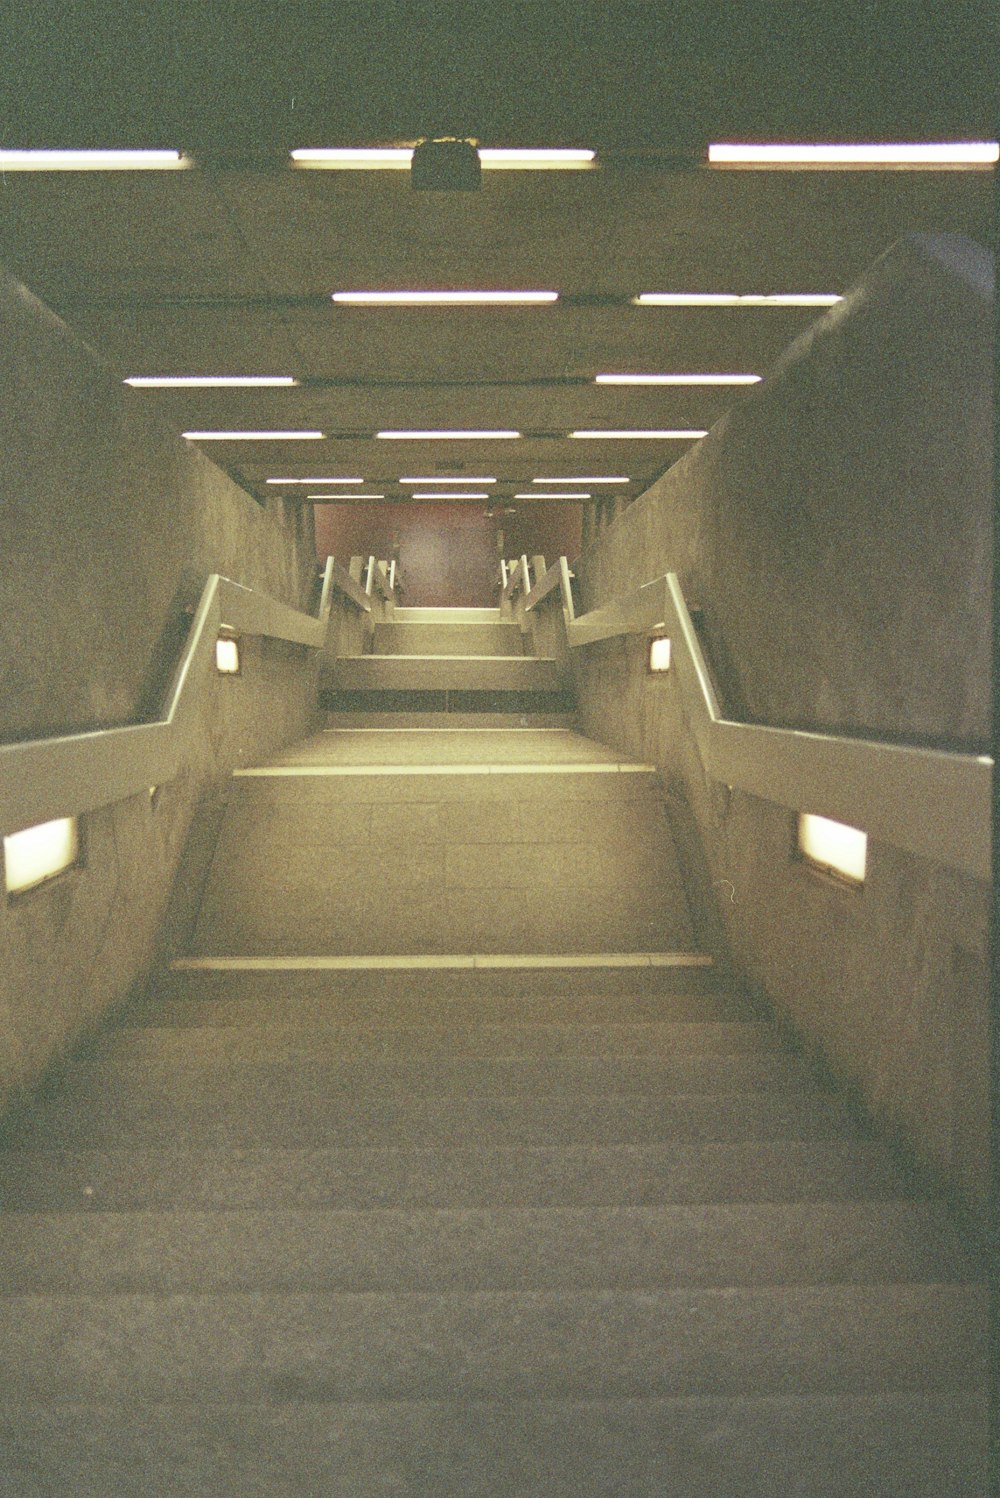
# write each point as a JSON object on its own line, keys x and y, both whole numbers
{"x": 252, "y": 436}
{"x": 206, "y": 382}
{"x": 833, "y": 847}
{"x": 666, "y": 435}
{"x": 551, "y": 494}
{"x": 37, "y": 854}
{"x": 440, "y": 479}
{"x": 469, "y": 436}
{"x": 658, "y": 659}
{"x": 227, "y": 656}
{"x": 441, "y": 298}
{"x": 982, "y": 153}
{"x": 730, "y": 299}
{"x": 582, "y": 481}
{"x": 677, "y": 379}
{"x": 93, "y": 161}
{"x": 314, "y": 481}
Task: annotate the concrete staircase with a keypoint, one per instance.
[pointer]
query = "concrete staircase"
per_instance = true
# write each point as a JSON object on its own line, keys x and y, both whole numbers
{"x": 447, "y": 650}
{"x": 444, "y": 1165}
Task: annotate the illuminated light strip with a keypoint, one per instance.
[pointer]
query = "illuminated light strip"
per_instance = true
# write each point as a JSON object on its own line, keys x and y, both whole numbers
{"x": 677, "y": 379}
{"x": 440, "y": 298}
{"x": 314, "y": 481}
{"x": 252, "y": 436}
{"x": 730, "y": 299}
{"x": 678, "y": 434}
{"x": 206, "y": 382}
{"x": 470, "y": 436}
{"x": 911, "y": 153}
{"x": 548, "y": 494}
{"x": 555, "y": 159}
{"x": 451, "y": 494}
{"x": 345, "y": 496}
{"x": 581, "y": 481}
{"x": 460, "y": 479}
{"x": 93, "y": 161}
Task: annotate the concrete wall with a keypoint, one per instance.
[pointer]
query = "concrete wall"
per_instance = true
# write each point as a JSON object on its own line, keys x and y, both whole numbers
{"x": 109, "y": 525}
{"x": 835, "y": 530}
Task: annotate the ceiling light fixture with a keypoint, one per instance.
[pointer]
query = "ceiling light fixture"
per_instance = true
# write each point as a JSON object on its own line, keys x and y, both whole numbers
{"x": 981, "y": 153}
{"x": 581, "y": 481}
{"x": 440, "y": 298}
{"x": 469, "y": 436}
{"x": 252, "y": 436}
{"x": 355, "y": 158}
{"x": 93, "y": 161}
{"x": 440, "y": 479}
{"x": 449, "y": 494}
{"x": 314, "y": 481}
{"x": 730, "y": 299}
{"x": 547, "y": 159}
{"x": 552, "y": 494}
{"x": 668, "y": 435}
{"x": 205, "y": 382}
{"x": 677, "y": 379}
{"x": 344, "y": 496}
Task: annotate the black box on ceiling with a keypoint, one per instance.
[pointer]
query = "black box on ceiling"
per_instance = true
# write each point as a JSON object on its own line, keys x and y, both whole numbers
{"x": 446, "y": 166}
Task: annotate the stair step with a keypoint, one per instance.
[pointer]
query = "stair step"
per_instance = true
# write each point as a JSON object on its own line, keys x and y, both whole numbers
{"x": 503, "y": 1248}
{"x": 331, "y": 1347}
{"x": 447, "y": 616}
{"x": 496, "y": 637}
{"x": 244, "y": 1106}
{"x": 913, "y": 1445}
{"x": 403, "y": 748}
{"x": 453, "y": 673}
{"x": 490, "y": 1175}
{"x": 742, "y": 1047}
{"x": 448, "y": 721}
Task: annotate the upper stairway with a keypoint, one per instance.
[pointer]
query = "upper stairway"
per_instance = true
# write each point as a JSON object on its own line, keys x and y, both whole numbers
{"x": 478, "y": 651}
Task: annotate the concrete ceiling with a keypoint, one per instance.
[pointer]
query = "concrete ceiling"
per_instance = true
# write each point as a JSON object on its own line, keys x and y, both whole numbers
{"x": 219, "y": 271}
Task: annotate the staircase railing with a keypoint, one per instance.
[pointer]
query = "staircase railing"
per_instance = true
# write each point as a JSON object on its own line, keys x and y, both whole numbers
{"x": 67, "y": 775}
{"x": 931, "y": 802}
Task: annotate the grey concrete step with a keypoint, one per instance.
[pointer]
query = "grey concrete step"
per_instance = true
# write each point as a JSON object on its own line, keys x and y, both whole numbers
{"x": 889, "y": 1445}
{"x": 324, "y": 1347}
{"x": 447, "y": 616}
{"x": 490, "y": 1175}
{"x": 443, "y": 746}
{"x": 453, "y": 673}
{"x": 244, "y": 1107}
{"x": 495, "y": 637}
{"x": 458, "y": 1076}
{"x": 751, "y": 1048}
{"x": 448, "y": 720}
{"x": 502, "y": 1248}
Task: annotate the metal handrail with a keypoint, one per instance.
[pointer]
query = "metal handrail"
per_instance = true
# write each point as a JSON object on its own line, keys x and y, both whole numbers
{"x": 69, "y": 774}
{"x": 931, "y": 802}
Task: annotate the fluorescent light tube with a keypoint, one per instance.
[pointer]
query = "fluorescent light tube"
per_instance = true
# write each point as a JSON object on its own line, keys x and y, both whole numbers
{"x": 205, "y": 382}
{"x": 580, "y": 481}
{"x": 345, "y": 496}
{"x": 550, "y": 494}
{"x": 461, "y": 479}
{"x": 93, "y": 161}
{"x": 440, "y": 298}
{"x": 554, "y": 159}
{"x": 360, "y": 158}
{"x": 677, "y": 379}
{"x": 729, "y": 299}
{"x": 450, "y": 494}
{"x": 470, "y": 436}
{"x": 678, "y": 434}
{"x": 252, "y": 436}
{"x": 910, "y": 153}
{"x": 314, "y": 481}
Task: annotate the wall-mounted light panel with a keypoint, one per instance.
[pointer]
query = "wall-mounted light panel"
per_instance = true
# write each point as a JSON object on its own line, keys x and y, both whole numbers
{"x": 658, "y": 658}
{"x": 399, "y": 159}
{"x": 209, "y": 382}
{"x": 679, "y": 434}
{"x": 341, "y": 498}
{"x": 252, "y": 436}
{"x": 37, "y": 854}
{"x": 581, "y": 481}
{"x": 677, "y": 379}
{"x": 553, "y": 494}
{"x": 926, "y": 155}
{"x": 449, "y": 436}
{"x": 833, "y": 847}
{"x": 731, "y": 299}
{"x": 323, "y": 482}
{"x": 442, "y": 298}
{"x": 227, "y": 656}
{"x": 450, "y": 494}
{"x": 441, "y": 479}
